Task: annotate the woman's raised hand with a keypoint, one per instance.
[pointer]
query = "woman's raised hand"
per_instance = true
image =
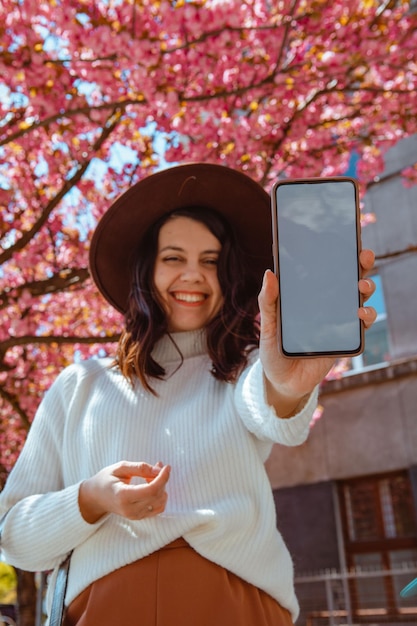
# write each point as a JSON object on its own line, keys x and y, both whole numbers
{"x": 290, "y": 381}
{"x": 112, "y": 490}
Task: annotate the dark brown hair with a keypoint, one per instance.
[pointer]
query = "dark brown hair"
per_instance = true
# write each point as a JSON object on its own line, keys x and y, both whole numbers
{"x": 231, "y": 334}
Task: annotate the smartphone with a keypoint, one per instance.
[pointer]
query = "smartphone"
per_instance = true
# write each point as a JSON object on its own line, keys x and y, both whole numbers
{"x": 316, "y": 245}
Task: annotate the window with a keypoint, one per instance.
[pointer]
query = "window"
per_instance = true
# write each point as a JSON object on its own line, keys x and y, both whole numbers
{"x": 380, "y": 532}
{"x": 376, "y": 344}
{"x": 379, "y": 508}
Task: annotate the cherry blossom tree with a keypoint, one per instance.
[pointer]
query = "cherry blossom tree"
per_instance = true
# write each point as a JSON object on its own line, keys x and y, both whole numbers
{"x": 96, "y": 94}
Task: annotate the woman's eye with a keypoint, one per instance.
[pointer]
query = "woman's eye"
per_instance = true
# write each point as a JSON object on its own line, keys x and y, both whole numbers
{"x": 213, "y": 261}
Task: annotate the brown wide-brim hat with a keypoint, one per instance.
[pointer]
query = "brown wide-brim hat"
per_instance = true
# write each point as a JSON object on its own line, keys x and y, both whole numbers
{"x": 117, "y": 238}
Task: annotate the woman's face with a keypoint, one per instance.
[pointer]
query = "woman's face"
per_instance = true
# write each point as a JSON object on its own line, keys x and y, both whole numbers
{"x": 185, "y": 274}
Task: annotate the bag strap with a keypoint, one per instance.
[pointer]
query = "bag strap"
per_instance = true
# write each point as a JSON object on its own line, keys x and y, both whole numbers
{"x": 57, "y": 608}
{"x": 2, "y": 520}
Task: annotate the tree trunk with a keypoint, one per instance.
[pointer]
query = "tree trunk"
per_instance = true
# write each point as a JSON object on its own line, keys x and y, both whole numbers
{"x": 26, "y": 598}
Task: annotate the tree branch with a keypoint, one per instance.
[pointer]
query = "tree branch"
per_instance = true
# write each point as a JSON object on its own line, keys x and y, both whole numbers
{"x": 14, "y": 403}
{"x": 25, "y": 340}
{"x": 113, "y": 106}
{"x": 285, "y": 36}
{"x": 61, "y": 281}
{"x": 67, "y": 186}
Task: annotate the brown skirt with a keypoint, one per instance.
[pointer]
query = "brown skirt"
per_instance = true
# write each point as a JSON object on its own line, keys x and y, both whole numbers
{"x": 174, "y": 586}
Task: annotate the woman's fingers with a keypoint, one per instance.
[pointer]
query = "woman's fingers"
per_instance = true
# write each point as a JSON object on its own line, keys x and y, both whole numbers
{"x": 267, "y": 301}
{"x": 366, "y": 287}
{"x": 126, "y": 470}
{"x": 156, "y": 505}
{"x": 368, "y": 315}
{"x": 112, "y": 491}
{"x": 150, "y": 499}
{"x": 367, "y": 259}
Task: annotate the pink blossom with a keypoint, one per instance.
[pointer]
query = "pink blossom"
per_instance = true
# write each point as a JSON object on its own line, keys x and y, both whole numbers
{"x": 245, "y": 84}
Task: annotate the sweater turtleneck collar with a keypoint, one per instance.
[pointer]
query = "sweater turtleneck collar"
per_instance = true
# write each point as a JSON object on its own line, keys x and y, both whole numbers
{"x": 189, "y": 343}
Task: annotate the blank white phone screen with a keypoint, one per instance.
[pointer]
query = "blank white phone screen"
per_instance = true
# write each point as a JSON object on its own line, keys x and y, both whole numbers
{"x": 318, "y": 267}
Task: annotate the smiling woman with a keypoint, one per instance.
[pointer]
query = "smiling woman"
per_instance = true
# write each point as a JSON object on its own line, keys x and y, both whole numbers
{"x": 189, "y": 273}
{"x": 150, "y": 465}
{"x": 186, "y": 273}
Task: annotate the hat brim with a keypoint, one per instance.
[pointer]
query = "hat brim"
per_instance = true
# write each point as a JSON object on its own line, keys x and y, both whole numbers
{"x": 241, "y": 200}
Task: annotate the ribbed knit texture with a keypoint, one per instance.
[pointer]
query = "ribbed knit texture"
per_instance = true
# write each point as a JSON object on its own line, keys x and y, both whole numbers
{"x": 216, "y": 437}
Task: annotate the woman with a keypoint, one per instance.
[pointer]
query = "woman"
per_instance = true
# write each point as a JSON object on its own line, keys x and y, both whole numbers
{"x": 150, "y": 467}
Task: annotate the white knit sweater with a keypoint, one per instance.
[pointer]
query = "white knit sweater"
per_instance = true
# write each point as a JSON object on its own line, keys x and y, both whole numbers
{"x": 216, "y": 437}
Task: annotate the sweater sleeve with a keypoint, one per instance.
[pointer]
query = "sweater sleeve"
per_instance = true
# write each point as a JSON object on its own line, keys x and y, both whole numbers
{"x": 44, "y": 522}
{"x": 261, "y": 419}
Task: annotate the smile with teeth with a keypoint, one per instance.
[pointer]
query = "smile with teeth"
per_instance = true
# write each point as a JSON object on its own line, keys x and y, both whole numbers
{"x": 189, "y": 297}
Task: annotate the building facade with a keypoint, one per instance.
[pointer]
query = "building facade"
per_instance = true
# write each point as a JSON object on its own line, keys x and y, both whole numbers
{"x": 347, "y": 499}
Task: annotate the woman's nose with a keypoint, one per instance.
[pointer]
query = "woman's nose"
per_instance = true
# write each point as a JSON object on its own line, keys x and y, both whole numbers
{"x": 192, "y": 273}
